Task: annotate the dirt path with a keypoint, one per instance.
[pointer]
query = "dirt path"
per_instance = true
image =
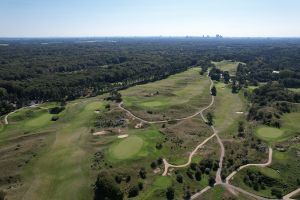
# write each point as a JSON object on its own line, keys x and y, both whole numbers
{"x": 249, "y": 165}
{"x": 177, "y": 119}
{"x": 288, "y": 196}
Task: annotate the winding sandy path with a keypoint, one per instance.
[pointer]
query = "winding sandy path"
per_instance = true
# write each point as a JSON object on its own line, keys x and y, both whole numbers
{"x": 250, "y": 165}
{"x": 288, "y": 196}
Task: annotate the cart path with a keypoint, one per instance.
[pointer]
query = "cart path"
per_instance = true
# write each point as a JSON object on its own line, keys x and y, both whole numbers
{"x": 250, "y": 165}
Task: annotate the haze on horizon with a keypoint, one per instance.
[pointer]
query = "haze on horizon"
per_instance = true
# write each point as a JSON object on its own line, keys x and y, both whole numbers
{"x": 78, "y": 18}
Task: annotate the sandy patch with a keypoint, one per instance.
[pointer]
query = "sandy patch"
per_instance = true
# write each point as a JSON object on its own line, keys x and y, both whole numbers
{"x": 157, "y": 170}
{"x": 97, "y": 111}
{"x": 100, "y": 133}
{"x": 123, "y": 136}
{"x": 139, "y": 125}
{"x": 239, "y": 112}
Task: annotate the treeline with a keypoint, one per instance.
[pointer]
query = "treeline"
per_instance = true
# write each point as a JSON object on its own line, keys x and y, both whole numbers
{"x": 67, "y": 69}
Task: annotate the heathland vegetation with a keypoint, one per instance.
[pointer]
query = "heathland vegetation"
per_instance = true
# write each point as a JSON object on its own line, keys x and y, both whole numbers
{"x": 106, "y": 120}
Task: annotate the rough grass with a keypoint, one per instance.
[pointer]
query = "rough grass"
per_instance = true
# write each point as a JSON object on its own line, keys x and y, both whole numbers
{"x": 127, "y": 148}
{"x": 177, "y": 96}
{"x": 62, "y": 170}
{"x": 225, "y": 108}
{"x": 227, "y": 65}
{"x": 290, "y": 127}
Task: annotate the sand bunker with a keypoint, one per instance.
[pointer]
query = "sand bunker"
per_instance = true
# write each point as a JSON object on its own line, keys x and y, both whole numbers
{"x": 123, "y": 136}
{"x": 100, "y": 133}
{"x": 239, "y": 112}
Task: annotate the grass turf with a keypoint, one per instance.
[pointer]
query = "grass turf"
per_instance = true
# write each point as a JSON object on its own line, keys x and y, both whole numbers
{"x": 227, "y": 65}
{"x": 177, "y": 96}
{"x": 126, "y": 148}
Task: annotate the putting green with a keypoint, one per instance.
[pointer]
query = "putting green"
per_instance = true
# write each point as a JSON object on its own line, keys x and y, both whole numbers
{"x": 127, "y": 148}
{"x": 269, "y": 133}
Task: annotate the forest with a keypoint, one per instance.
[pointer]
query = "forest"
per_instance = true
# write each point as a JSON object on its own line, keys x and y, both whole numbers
{"x": 39, "y": 70}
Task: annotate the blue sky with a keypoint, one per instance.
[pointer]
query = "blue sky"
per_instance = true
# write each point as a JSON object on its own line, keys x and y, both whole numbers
{"x": 54, "y": 18}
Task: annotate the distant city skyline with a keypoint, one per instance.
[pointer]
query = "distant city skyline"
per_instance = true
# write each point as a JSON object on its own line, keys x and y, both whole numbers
{"x": 128, "y": 18}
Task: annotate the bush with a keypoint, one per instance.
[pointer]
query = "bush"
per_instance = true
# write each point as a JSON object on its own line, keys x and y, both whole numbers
{"x": 211, "y": 181}
{"x": 276, "y": 193}
{"x": 143, "y": 173}
{"x": 198, "y": 176}
{"x": 54, "y": 118}
{"x": 56, "y": 110}
{"x": 141, "y": 185}
{"x": 133, "y": 191}
{"x": 179, "y": 178}
{"x": 170, "y": 193}
{"x": 106, "y": 189}
{"x": 153, "y": 165}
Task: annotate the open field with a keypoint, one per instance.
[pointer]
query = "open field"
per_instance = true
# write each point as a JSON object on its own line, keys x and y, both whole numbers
{"x": 229, "y": 109}
{"x": 177, "y": 96}
{"x": 227, "y": 65}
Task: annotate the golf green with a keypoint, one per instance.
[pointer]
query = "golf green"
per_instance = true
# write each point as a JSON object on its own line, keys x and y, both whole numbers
{"x": 127, "y": 148}
{"x": 269, "y": 133}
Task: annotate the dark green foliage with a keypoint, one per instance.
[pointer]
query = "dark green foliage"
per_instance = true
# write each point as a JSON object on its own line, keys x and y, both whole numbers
{"x": 213, "y": 91}
{"x": 258, "y": 181}
{"x": 106, "y": 189}
{"x": 114, "y": 96}
{"x": 269, "y": 102}
{"x": 211, "y": 181}
{"x": 209, "y": 117}
{"x": 198, "y": 175}
{"x": 276, "y": 193}
{"x": 153, "y": 165}
{"x": 143, "y": 173}
{"x": 141, "y": 186}
{"x": 215, "y": 74}
{"x": 133, "y": 192}
{"x": 170, "y": 193}
{"x": 56, "y": 110}
{"x": 55, "y": 118}
{"x": 179, "y": 178}
{"x": 226, "y": 77}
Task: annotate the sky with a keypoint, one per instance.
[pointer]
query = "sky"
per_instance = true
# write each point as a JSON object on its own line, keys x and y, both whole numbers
{"x": 93, "y": 18}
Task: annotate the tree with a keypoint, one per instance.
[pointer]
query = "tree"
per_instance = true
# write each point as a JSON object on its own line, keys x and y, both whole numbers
{"x": 241, "y": 129}
{"x": 209, "y": 118}
{"x": 143, "y": 173}
{"x": 226, "y": 77}
{"x": 213, "y": 91}
{"x": 198, "y": 175}
{"x": 211, "y": 181}
{"x": 141, "y": 185}
{"x": 153, "y": 165}
{"x": 170, "y": 193}
{"x": 179, "y": 178}
{"x": 276, "y": 193}
{"x": 133, "y": 191}
{"x": 106, "y": 189}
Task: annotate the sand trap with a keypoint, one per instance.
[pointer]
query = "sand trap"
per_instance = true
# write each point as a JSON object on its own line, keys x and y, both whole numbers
{"x": 239, "y": 112}
{"x": 100, "y": 133}
{"x": 97, "y": 111}
{"x": 139, "y": 125}
{"x": 123, "y": 136}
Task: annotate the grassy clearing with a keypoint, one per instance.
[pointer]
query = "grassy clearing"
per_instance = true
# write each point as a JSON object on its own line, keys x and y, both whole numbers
{"x": 290, "y": 127}
{"x": 227, "y": 65}
{"x": 226, "y": 107}
{"x": 269, "y": 133}
{"x": 177, "y": 96}
{"x": 63, "y": 169}
{"x": 127, "y": 148}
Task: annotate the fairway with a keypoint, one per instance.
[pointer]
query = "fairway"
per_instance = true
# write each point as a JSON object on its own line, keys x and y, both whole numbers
{"x": 40, "y": 121}
{"x": 176, "y": 96}
{"x": 269, "y": 133}
{"x": 127, "y": 148}
{"x": 227, "y": 65}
